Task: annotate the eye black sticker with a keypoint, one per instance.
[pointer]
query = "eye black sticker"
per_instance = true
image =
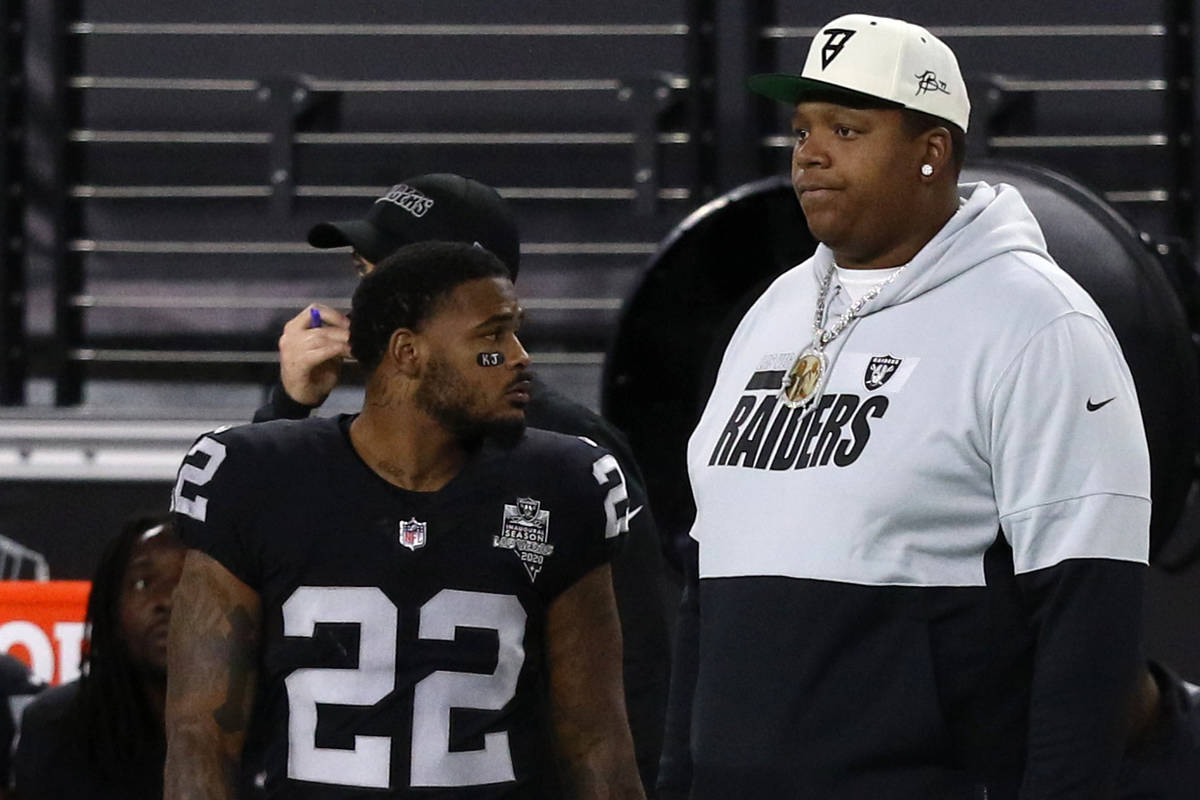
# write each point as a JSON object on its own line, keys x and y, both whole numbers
{"x": 490, "y": 359}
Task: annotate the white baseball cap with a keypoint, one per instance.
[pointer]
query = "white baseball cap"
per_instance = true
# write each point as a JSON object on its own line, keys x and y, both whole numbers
{"x": 876, "y": 61}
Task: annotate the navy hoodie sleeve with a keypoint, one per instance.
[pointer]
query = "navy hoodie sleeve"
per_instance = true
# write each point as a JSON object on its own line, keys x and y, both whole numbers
{"x": 1087, "y": 615}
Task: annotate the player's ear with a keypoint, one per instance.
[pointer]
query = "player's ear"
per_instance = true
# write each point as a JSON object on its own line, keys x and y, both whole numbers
{"x": 405, "y": 352}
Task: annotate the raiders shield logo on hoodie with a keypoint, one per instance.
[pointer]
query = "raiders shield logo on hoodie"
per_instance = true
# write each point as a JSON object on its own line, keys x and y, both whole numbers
{"x": 879, "y": 370}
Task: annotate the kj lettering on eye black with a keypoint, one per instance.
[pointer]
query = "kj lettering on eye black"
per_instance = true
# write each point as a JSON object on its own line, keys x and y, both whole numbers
{"x": 489, "y": 359}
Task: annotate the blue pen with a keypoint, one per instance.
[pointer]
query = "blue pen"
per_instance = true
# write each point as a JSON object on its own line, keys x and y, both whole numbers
{"x": 314, "y": 317}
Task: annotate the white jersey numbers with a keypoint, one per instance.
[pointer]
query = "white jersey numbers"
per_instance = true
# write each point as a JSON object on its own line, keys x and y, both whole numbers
{"x": 368, "y": 764}
{"x": 432, "y": 762}
{"x": 607, "y": 472}
{"x": 189, "y": 474}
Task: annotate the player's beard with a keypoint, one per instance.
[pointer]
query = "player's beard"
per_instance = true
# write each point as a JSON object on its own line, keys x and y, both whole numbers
{"x": 445, "y": 395}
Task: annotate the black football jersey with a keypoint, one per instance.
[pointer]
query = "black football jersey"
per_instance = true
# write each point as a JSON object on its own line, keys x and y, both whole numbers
{"x": 402, "y": 632}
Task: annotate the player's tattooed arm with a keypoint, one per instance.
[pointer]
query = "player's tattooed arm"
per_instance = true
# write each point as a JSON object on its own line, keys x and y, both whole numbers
{"x": 212, "y": 658}
{"x": 583, "y": 651}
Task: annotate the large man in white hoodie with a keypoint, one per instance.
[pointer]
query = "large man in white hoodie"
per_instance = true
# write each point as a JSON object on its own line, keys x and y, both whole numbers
{"x": 921, "y": 479}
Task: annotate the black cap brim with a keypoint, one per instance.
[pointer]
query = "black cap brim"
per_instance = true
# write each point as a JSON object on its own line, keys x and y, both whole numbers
{"x": 367, "y": 240}
{"x": 792, "y": 89}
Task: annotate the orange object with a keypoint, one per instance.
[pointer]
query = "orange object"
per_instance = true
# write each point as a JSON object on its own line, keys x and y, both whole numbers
{"x": 41, "y": 623}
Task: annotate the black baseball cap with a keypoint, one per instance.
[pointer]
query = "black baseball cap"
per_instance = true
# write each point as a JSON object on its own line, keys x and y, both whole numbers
{"x": 439, "y": 207}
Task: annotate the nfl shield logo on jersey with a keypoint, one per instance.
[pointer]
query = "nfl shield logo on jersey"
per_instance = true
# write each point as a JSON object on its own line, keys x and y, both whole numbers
{"x": 879, "y": 370}
{"x": 412, "y": 534}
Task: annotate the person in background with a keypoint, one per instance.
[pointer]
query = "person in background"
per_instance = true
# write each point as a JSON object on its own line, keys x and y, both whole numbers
{"x": 102, "y": 736}
{"x": 18, "y": 687}
{"x": 450, "y": 207}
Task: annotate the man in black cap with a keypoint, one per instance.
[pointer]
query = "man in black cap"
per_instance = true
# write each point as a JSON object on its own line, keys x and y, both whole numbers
{"x": 439, "y": 207}
{"x": 446, "y": 207}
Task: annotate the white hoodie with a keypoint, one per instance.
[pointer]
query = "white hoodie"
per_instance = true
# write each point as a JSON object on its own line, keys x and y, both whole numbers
{"x": 986, "y": 420}
{"x": 929, "y": 584}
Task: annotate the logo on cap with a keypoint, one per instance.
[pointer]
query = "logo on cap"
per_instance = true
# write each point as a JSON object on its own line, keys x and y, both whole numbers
{"x": 928, "y": 82}
{"x": 834, "y": 44}
{"x": 408, "y": 198}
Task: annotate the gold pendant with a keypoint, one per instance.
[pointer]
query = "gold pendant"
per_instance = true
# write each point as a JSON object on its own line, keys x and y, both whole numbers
{"x": 806, "y": 379}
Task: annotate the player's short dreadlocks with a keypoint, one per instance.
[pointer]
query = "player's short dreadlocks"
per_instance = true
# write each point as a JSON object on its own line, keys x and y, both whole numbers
{"x": 111, "y": 708}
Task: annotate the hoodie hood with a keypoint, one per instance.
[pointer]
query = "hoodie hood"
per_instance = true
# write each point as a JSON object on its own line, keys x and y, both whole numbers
{"x": 992, "y": 220}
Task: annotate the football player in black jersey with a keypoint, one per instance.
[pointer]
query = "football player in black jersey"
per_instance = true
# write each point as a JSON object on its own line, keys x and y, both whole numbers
{"x": 449, "y": 207}
{"x": 414, "y": 601}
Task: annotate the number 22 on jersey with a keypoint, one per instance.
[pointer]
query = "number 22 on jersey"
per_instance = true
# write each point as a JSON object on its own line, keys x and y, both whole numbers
{"x": 432, "y": 763}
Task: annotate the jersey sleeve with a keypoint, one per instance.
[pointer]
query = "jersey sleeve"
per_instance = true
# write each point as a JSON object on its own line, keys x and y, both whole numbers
{"x": 213, "y": 503}
{"x": 1070, "y": 466}
{"x": 280, "y": 405}
{"x": 598, "y": 516}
